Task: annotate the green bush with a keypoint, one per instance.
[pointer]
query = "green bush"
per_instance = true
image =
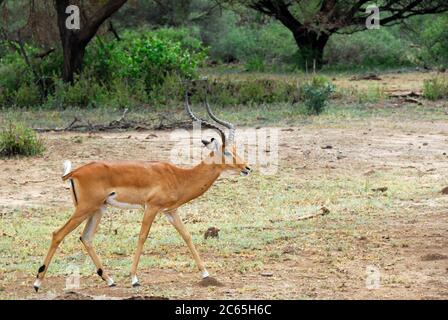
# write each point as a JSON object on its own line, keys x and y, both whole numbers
{"x": 316, "y": 93}
{"x": 188, "y": 38}
{"x": 145, "y": 56}
{"x": 115, "y": 73}
{"x": 436, "y": 88}
{"x": 369, "y": 49}
{"x": 433, "y": 41}
{"x": 253, "y": 91}
{"x": 27, "y": 95}
{"x": 253, "y": 44}
{"x": 16, "y": 139}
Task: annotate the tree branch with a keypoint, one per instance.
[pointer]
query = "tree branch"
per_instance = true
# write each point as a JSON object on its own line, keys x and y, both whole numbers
{"x": 89, "y": 31}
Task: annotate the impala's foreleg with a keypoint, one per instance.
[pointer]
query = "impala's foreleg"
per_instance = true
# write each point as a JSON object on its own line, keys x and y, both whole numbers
{"x": 87, "y": 240}
{"x": 176, "y": 221}
{"x": 78, "y": 217}
{"x": 148, "y": 219}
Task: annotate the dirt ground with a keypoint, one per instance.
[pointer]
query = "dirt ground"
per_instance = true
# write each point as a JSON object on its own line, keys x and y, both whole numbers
{"x": 409, "y": 245}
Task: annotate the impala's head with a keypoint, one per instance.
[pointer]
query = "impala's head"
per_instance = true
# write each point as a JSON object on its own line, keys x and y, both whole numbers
{"x": 223, "y": 154}
{"x": 226, "y": 157}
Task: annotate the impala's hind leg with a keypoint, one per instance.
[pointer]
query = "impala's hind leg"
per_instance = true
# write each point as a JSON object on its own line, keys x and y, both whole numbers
{"x": 78, "y": 217}
{"x": 87, "y": 238}
{"x": 176, "y": 221}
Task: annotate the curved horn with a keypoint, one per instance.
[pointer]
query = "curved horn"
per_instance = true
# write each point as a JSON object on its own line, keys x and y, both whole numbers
{"x": 226, "y": 124}
{"x": 203, "y": 122}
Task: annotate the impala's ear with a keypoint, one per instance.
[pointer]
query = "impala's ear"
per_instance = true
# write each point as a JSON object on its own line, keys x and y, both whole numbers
{"x": 210, "y": 144}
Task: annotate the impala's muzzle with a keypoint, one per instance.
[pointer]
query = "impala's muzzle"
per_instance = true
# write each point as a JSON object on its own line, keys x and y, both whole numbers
{"x": 245, "y": 172}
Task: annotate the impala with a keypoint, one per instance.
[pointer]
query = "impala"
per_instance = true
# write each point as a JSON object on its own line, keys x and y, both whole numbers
{"x": 157, "y": 187}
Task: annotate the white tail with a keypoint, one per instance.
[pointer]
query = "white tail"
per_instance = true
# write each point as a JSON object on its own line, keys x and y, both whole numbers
{"x": 67, "y": 167}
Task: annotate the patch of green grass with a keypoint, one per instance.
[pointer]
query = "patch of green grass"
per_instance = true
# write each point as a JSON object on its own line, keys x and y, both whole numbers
{"x": 18, "y": 140}
{"x": 436, "y": 88}
{"x": 264, "y": 218}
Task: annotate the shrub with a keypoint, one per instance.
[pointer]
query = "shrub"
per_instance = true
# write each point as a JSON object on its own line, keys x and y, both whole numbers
{"x": 253, "y": 90}
{"x": 436, "y": 88}
{"x": 146, "y": 57}
{"x": 316, "y": 93}
{"x": 270, "y": 43}
{"x": 27, "y": 95}
{"x": 433, "y": 40}
{"x": 17, "y": 139}
{"x": 115, "y": 73}
{"x": 368, "y": 49}
{"x": 188, "y": 38}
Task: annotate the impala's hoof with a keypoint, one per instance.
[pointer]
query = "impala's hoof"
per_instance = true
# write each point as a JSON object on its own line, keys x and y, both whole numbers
{"x": 36, "y": 285}
{"x": 135, "y": 282}
{"x": 111, "y": 283}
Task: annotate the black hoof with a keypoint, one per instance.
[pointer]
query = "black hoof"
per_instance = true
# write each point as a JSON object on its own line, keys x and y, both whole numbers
{"x": 136, "y": 285}
{"x": 112, "y": 285}
{"x": 36, "y": 288}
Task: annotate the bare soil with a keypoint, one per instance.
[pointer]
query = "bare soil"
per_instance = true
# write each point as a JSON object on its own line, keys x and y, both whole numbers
{"x": 411, "y": 247}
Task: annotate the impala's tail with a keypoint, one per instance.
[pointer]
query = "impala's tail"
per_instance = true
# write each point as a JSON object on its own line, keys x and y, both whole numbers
{"x": 67, "y": 176}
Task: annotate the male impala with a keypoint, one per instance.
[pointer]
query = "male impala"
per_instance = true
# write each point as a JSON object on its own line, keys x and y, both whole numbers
{"x": 157, "y": 187}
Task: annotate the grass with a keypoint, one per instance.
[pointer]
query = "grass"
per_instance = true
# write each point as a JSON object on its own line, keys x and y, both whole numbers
{"x": 19, "y": 140}
{"x": 265, "y": 217}
{"x": 279, "y": 114}
{"x": 352, "y": 101}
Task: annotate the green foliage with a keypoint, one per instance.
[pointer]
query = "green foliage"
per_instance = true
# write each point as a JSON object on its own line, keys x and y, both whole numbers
{"x": 253, "y": 91}
{"x": 17, "y": 139}
{"x": 146, "y": 57}
{"x": 253, "y": 44}
{"x": 432, "y": 38}
{"x": 436, "y": 88}
{"x": 115, "y": 73}
{"x": 188, "y": 38}
{"x": 369, "y": 49}
{"x": 316, "y": 92}
{"x": 27, "y": 95}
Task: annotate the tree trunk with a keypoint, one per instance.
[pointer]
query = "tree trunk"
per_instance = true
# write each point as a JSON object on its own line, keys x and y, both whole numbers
{"x": 74, "y": 42}
{"x": 311, "y": 45}
{"x": 73, "y": 57}
{"x": 73, "y": 50}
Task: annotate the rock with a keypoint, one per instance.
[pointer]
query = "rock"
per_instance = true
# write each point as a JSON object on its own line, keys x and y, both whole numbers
{"x": 211, "y": 233}
{"x": 267, "y": 274}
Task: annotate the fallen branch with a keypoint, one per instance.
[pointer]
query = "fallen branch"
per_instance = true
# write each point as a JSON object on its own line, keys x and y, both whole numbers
{"x": 404, "y": 94}
{"x": 371, "y": 76}
{"x": 78, "y": 125}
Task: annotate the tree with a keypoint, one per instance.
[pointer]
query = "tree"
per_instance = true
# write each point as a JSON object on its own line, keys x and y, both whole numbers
{"x": 74, "y": 42}
{"x": 44, "y": 22}
{"x": 313, "y": 22}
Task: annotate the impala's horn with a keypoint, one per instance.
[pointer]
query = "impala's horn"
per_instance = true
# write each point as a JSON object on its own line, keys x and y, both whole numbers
{"x": 202, "y": 122}
{"x": 226, "y": 124}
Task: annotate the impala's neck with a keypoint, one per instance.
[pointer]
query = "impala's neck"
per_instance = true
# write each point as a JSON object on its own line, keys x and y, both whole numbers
{"x": 199, "y": 179}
